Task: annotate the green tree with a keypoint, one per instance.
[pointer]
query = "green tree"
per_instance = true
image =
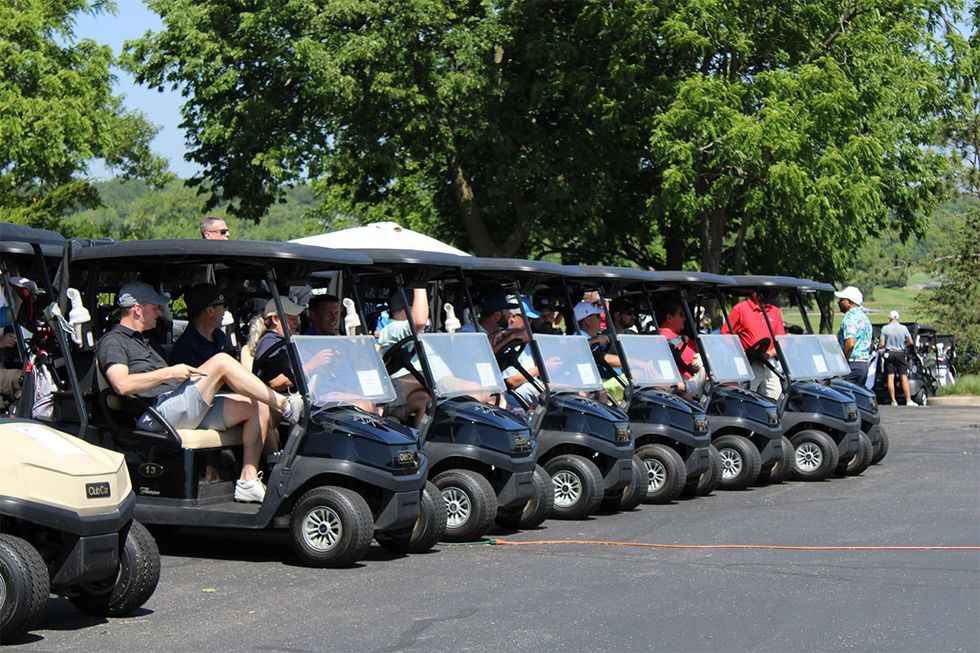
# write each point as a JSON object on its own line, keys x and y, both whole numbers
{"x": 956, "y": 303}
{"x": 746, "y": 136}
{"x": 59, "y": 113}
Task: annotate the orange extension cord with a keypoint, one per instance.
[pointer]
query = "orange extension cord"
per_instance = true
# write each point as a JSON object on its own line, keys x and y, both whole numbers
{"x": 758, "y": 547}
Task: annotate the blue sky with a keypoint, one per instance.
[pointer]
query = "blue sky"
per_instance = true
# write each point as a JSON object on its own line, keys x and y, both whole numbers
{"x": 130, "y": 21}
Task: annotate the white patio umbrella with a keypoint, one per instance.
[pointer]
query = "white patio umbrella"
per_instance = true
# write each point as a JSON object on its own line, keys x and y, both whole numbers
{"x": 380, "y": 235}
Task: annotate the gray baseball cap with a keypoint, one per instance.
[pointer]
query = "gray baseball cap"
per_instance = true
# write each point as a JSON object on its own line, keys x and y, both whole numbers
{"x": 137, "y": 292}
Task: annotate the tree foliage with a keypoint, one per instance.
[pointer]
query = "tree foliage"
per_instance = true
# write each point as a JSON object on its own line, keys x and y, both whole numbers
{"x": 956, "y": 303}
{"x": 748, "y": 136}
{"x": 59, "y": 113}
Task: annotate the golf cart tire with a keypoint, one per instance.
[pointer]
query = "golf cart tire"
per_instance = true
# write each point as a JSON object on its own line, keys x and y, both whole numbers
{"x": 881, "y": 446}
{"x": 780, "y": 470}
{"x": 343, "y": 508}
{"x": 633, "y": 494}
{"x": 810, "y": 443}
{"x": 708, "y": 481}
{"x": 921, "y": 397}
{"x": 660, "y": 461}
{"x": 131, "y": 586}
{"x": 476, "y": 490}
{"x": 860, "y": 461}
{"x": 537, "y": 509}
{"x": 26, "y": 586}
{"x": 740, "y": 453}
{"x": 429, "y": 528}
{"x": 582, "y": 471}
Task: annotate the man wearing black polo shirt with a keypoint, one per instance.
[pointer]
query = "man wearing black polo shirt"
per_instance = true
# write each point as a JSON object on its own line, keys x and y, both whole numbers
{"x": 185, "y": 395}
{"x": 203, "y": 337}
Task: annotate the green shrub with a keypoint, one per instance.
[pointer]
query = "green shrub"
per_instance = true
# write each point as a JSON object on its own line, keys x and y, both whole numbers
{"x": 965, "y": 385}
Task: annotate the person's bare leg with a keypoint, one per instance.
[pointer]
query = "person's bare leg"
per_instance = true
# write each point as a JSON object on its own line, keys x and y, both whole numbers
{"x": 416, "y": 403}
{"x": 905, "y": 389}
{"x": 891, "y": 387}
{"x": 222, "y": 368}
{"x": 247, "y": 413}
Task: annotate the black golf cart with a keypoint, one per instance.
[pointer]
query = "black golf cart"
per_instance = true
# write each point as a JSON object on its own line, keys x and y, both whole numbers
{"x": 343, "y": 474}
{"x": 586, "y": 445}
{"x": 745, "y": 430}
{"x": 822, "y": 422}
{"x": 669, "y": 431}
{"x": 482, "y": 457}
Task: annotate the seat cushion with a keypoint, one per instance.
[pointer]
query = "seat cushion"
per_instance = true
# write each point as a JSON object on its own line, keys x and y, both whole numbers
{"x": 210, "y": 438}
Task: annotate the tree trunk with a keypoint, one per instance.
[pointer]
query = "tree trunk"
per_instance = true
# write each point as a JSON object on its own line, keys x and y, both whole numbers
{"x": 712, "y": 239}
{"x": 739, "y": 254}
{"x": 469, "y": 212}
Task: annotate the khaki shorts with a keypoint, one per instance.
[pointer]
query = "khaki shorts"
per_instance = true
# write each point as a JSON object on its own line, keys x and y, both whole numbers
{"x": 185, "y": 408}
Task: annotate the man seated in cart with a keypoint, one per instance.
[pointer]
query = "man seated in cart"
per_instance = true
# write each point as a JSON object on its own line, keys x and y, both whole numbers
{"x": 187, "y": 396}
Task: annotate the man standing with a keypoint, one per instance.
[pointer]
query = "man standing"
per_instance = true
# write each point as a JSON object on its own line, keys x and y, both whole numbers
{"x": 214, "y": 227}
{"x": 324, "y": 311}
{"x": 895, "y": 337}
{"x": 854, "y": 334}
{"x": 184, "y": 395}
{"x": 749, "y": 324}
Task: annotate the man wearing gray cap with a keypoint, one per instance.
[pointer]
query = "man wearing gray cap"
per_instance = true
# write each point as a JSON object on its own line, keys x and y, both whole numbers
{"x": 895, "y": 337}
{"x": 854, "y": 334}
{"x": 184, "y": 395}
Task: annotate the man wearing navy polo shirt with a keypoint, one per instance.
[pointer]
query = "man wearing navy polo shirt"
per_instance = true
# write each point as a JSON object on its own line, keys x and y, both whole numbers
{"x": 203, "y": 337}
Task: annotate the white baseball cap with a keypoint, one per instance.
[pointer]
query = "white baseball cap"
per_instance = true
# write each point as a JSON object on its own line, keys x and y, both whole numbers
{"x": 288, "y": 306}
{"x": 893, "y": 315}
{"x": 852, "y": 294}
{"x": 585, "y": 309}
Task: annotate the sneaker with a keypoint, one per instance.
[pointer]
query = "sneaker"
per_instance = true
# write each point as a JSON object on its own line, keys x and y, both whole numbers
{"x": 894, "y": 403}
{"x": 250, "y": 491}
{"x": 293, "y": 412}
{"x": 911, "y": 403}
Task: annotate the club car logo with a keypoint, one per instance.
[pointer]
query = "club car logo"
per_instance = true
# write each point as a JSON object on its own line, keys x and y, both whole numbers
{"x": 622, "y": 434}
{"x": 98, "y": 490}
{"x": 407, "y": 458}
{"x": 522, "y": 443}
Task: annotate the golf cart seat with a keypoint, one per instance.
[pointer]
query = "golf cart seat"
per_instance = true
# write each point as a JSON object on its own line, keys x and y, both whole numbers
{"x": 121, "y": 413}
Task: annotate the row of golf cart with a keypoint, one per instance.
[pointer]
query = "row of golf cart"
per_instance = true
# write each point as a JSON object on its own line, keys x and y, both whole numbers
{"x": 518, "y": 426}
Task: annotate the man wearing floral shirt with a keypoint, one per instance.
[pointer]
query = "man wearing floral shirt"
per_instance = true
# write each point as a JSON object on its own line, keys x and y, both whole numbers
{"x": 854, "y": 334}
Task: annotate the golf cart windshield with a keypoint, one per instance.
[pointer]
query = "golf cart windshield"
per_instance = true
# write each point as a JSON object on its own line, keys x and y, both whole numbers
{"x": 726, "y": 358}
{"x": 343, "y": 370}
{"x": 650, "y": 360}
{"x": 569, "y": 363}
{"x": 807, "y": 358}
{"x": 462, "y": 364}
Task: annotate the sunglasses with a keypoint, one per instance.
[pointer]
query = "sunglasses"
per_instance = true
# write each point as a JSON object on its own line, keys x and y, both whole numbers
{"x": 223, "y": 232}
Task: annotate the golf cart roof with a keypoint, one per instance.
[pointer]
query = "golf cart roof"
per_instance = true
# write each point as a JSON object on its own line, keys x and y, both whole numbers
{"x": 618, "y": 273}
{"x": 418, "y": 257}
{"x": 11, "y": 234}
{"x": 814, "y": 286}
{"x": 765, "y": 281}
{"x": 524, "y": 266}
{"x": 685, "y": 278}
{"x": 191, "y": 252}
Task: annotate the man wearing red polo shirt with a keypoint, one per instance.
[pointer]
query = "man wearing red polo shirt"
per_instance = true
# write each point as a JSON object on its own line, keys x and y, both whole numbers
{"x": 748, "y": 323}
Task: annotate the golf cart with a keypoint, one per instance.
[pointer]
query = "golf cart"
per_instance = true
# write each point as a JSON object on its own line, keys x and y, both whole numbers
{"x": 866, "y": 401}
{"x": 820, "y": 421}
{"x": 923, "y": 369}
{"x": 586, "y": 445}
{"x": 66, "y": 506}
{"x": 342, "y": 476}
{"x": 482, "y": 457}
{"x": 670, "y": 432}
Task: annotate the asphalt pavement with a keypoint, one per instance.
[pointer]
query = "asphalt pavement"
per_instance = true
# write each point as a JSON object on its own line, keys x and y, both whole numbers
{"x": 246, "y": 592}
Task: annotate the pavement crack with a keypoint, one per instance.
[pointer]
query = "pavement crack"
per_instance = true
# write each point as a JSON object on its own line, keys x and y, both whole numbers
{"x": 419, "y": 626}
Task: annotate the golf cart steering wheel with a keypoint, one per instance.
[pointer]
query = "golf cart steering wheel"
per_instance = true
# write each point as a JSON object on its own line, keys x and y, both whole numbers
{"x": 399, "y": 356}
{"x": 757, "y": 352}
{"x": 509, "y": 352}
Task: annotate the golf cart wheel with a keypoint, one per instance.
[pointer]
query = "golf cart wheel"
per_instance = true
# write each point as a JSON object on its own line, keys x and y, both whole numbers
{"x": 577, "y": 484}
{"x": 331, "y": 527}
{"x": 780, "y": 470}
{"x": 537, "y": 509}
{"x": 921, "y": 397}
{"x": 708, "y": 481}
{"x": 633, "y": 494}
{"x": 740, "y": 462}
{"x": 816, "y": 455}
{"x": 429, "y": 528}
{"x": 880, "y": 444}
{"x": 133, "y": 583}
{"x": 24, "y": 587}
{"x": 665, "y": 473}
{"x": 860, "y": 461}
{"x": 471, "y": 504}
